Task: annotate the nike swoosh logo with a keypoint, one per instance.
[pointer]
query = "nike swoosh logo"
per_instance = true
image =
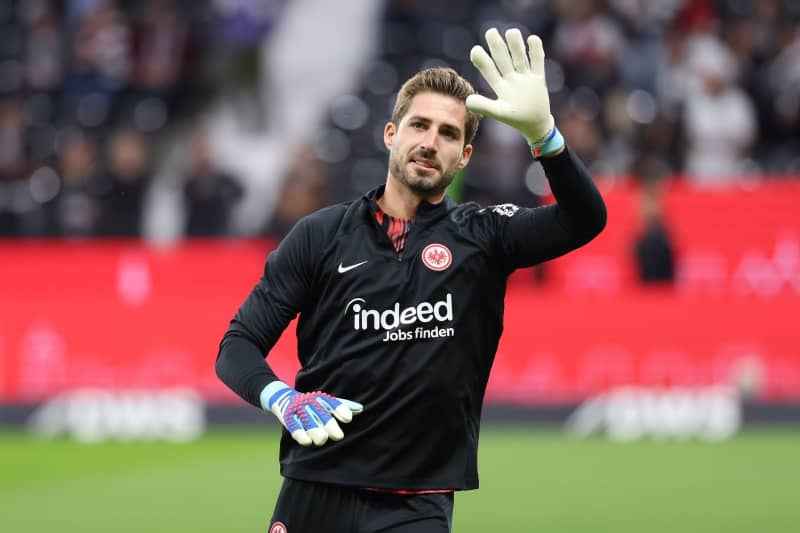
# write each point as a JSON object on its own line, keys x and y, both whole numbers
{"x": 343, "y": 269}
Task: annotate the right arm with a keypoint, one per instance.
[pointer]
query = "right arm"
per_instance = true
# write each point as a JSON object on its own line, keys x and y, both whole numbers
{"x": 282, "y": 292}
{"x": 277, "y": 298}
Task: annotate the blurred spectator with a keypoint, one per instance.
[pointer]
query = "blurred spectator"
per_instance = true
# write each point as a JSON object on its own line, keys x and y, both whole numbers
{"x": 124, "y": 184}
{"x": 711, "y": 86}
{"x": 101, "y": 64}
{"x": 777, "y": 93}
{"x": 653, "y": 248}
{"x": 665, "y": 134}
{"x": 13, "y": 159}
{"x": 44, "y": 61}
{"x": 13, "y": 167}
{"x": 164, "y": 52}
{"x": 496, "y": 173}
{"x": 719, "y": 116}
{"x": 588, "y": 42}
{"x": 673, "y": 76}
{"x": 210, "y": 195}
{"x": 762, "y": 25}
{"x": 161, "y": 45}
{"x": 304, "y": 191}
{"x": 578, "y": 124}
{"x": 74, "y": 209}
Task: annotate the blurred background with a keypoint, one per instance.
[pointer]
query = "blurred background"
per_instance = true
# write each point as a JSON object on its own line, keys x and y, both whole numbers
{"x": 153, "y": 152}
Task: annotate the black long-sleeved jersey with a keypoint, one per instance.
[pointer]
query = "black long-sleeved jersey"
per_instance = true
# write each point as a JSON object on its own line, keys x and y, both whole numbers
{"x": 412, "y": 336}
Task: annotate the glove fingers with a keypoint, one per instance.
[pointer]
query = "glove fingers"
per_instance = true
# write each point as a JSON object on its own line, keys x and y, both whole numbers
{"x": 342, "y": 409}
{"x": 295, "y": 428}
{"x": 330, "y": 404}
{"x": 483, "y": 106}
{"x": 353, "y": 407}
{"x": 485, "y": 66}
{"x": 499, "y": 50}
{"x": 536, "y": 51}
{"x": 318, "y": 436}
{"x": 324, "y": 425}
{"x": 345, "y": 411}
{"x": 516, "y": 45}
{"x": 314, "y": 423}
{"x": 333, "y": 430}
{"x": 343, "y": 414}
{"x": 302, "y": 438}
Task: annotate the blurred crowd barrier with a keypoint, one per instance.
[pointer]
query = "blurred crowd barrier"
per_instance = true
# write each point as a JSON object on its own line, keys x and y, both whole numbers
{"x": 121, "y": 314}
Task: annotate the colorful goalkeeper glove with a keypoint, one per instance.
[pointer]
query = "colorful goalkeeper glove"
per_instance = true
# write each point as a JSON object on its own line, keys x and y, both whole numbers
{"x": 307, "y": 416}
{"x": 522, "y": 99}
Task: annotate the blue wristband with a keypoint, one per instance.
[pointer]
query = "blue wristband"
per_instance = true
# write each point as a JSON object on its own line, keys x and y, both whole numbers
{"x": 552, "y": 143}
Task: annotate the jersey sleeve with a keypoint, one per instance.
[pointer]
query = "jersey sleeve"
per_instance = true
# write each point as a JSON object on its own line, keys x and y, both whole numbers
{"x": 279, "y": 295}
{"x": 527, "y": 236}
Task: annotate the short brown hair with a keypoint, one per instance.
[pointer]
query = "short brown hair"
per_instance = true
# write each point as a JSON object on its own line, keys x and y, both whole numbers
{"x": 440, "y": 80}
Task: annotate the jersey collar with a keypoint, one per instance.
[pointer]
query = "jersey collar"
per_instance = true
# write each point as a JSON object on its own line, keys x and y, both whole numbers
{"x": 426, "y": 212}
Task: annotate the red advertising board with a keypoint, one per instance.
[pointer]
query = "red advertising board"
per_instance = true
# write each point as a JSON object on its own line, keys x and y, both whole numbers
{"x": 130, "y": 315}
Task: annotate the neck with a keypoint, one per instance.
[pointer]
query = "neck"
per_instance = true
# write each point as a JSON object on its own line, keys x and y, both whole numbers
{"x": 399, "y": 201}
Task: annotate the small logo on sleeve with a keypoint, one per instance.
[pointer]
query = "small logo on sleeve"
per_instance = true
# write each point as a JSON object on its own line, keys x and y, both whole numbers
{"x": 437, "y": 257}
{"x": 505, "y": 210}
{"x": 278, "y": 527}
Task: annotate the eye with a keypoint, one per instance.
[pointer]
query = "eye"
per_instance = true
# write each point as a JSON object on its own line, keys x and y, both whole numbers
{"x": 418, "y": 125}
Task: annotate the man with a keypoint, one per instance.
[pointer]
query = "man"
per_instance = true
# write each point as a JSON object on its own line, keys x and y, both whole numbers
{"x": 400, "y": 296}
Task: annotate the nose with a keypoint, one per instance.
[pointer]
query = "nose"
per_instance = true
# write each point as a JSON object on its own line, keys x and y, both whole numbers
{"x": 430, "y": 140}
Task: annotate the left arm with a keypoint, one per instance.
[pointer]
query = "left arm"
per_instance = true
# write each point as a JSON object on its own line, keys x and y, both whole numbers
{"x": 530, "y": 236}
{"x": 543, "y": 233}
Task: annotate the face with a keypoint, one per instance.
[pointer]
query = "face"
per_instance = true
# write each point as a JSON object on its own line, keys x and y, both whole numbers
{"x": 427, "y": 148}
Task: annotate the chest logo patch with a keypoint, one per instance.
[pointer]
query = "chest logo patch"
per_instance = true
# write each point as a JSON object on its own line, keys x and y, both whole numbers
{"x": 437, "y": 257}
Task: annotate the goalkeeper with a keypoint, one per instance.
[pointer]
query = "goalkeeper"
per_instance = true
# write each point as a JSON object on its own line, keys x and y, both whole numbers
{"x": 400, "y": 298}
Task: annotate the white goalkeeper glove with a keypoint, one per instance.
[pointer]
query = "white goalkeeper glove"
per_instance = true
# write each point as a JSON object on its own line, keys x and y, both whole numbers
{"x": 522, "y": 99}
{"x": 307, "y": 416}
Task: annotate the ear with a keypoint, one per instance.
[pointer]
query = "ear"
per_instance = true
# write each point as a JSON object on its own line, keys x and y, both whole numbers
{"x": 466, "y": 154}
{"x": 389, "y": 131}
